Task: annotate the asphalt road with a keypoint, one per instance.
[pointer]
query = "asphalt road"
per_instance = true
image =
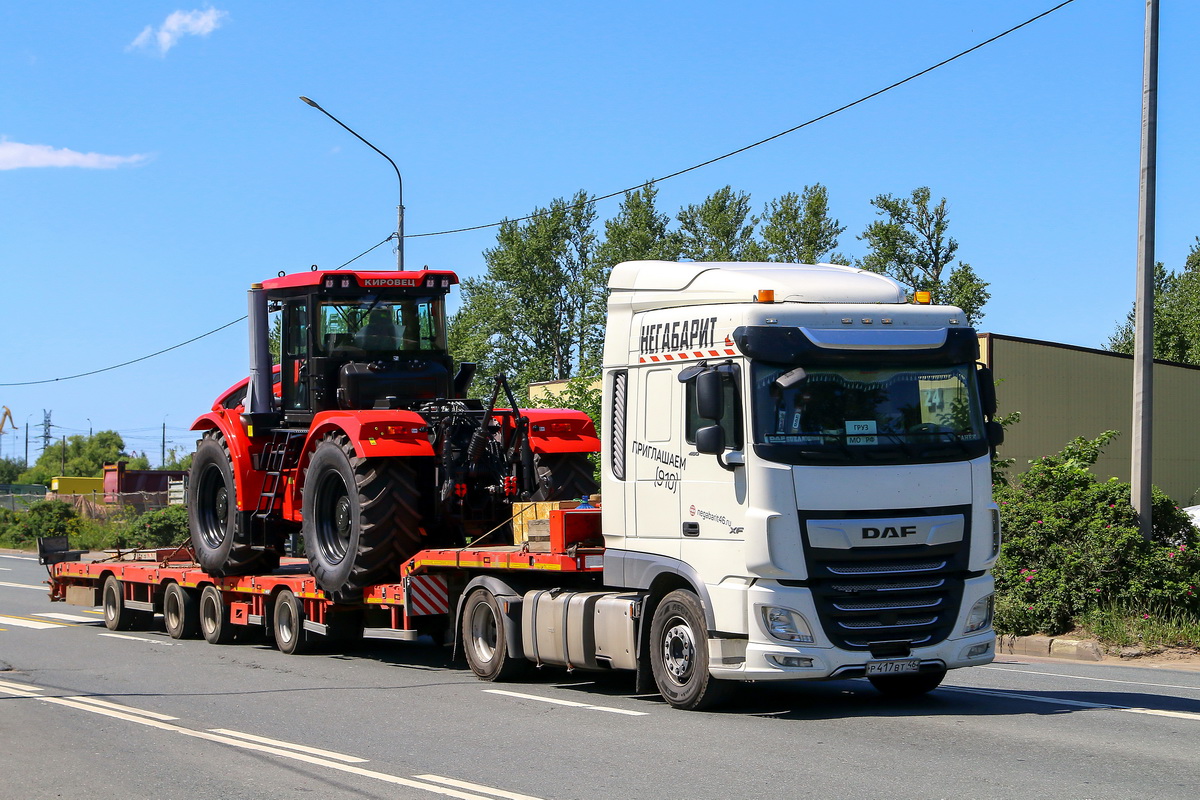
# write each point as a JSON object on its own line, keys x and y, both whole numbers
{"x": 84, "y": 712}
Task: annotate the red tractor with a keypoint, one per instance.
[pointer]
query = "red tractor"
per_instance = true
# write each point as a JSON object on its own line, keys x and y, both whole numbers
{"x": 363, "y": 438}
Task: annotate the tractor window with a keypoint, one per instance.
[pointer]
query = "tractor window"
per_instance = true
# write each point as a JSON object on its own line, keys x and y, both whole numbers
{"x": 381, "y": 324}
{"x": 294, "y": 362}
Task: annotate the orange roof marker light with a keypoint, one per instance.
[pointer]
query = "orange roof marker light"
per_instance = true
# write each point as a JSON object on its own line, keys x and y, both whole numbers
{"x": 922, "y": 298}
{"x": 765, "y": 296}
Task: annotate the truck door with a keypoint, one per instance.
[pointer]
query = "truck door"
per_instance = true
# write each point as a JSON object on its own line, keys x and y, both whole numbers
{"x": 654, "y": 459}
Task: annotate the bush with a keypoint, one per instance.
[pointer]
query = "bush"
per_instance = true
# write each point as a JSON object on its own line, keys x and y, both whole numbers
{"x": 1072, "y": 546}
{"x": 44, "y": 518}
{"x": 124, "y": 529}
{"x": 165, "y": 527}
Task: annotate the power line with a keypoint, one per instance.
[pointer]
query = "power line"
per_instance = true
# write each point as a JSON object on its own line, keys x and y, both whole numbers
{"x": 610, "y": 195}
{"x": 772, "y": 138}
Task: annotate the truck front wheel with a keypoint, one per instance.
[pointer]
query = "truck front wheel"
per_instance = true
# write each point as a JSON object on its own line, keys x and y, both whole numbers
{"x": 485, "y": 641}
{"x": 679, "y": 653}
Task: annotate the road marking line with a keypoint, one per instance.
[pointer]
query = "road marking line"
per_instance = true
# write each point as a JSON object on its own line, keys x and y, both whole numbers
{"x": 5, "y": 569}
{"x": 226, "y": 740}
{"x": 1082, "y": 678}
{"x": 118, "y": 707}
{"x": 93, "y": 611}
{"x": 1078, "y": 703}
{"x": 18, "y": 558}
{"x": 571, "y": 703}
{"x": 474, "y": 787}
{"x": 316, "y": 751}
{"x": 138, "y": 639}
{"x": 41, "y": 587}
{"x": 35, "y": 624}
{"x": 21, "y": 687}
{"x": 66, "y": 617}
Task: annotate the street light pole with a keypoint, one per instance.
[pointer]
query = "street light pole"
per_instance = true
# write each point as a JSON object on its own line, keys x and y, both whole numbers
{"x": 1143, "y": 358}
{"x": 399, "y": 180}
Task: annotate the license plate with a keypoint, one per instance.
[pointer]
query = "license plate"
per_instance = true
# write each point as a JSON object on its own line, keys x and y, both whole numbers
{"x": 901, "y": 667}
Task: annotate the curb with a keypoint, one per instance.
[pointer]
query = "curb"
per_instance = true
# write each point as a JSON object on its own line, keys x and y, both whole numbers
{"x": 1049, "y": 647}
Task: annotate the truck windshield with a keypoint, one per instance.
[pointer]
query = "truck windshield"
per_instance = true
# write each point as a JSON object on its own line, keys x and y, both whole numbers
{"x": 867, "y": 414}
{"x": 380, "y": 324}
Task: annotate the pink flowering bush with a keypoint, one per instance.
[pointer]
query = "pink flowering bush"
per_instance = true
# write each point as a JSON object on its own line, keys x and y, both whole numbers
{"x": 1072, "y": 545}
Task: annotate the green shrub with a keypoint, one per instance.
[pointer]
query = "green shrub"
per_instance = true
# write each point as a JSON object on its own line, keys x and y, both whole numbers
{"x": 1072, "y": 546}
{"x": 165, "y": 527}
{"x": 44, "y": 518}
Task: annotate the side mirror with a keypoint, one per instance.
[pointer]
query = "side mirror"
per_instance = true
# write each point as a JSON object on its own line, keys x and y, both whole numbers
{"x": 987, "y": 391}
{"x": 995, "y": 434}
{"x": 710, "y": 400}
{"x": 710, "y": 440}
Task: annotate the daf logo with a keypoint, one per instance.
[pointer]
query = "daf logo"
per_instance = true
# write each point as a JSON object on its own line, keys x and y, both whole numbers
{"x": 889, "y": 532}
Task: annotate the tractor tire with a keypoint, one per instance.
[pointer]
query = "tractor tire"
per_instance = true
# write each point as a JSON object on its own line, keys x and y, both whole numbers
{"x": 213, "y": 514}
{"x": 563, "y": 476}
{"x": 361, "y": 518}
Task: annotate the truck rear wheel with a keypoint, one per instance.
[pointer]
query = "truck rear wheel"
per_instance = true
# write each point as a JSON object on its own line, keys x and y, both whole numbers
{"x": 485, "y": 642}
{"x": 181, "y": 612}
{"x": 907, "y": 686}
{"x": 679, "y": 653}
{"x": 290, "y": 636}
{"x": 214, "y": 617}
{"x": 213, "y": 514}
{"x": 563, "y": 476}
{"x": 360, "y": 517}
{"x": 118, "y": 616}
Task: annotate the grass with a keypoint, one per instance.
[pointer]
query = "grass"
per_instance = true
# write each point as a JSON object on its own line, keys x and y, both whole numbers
{"x": 1152, "y": 629}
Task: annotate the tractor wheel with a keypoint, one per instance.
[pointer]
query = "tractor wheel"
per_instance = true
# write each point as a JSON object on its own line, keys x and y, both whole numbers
{"x": 563, "y": 476}
{"x": 213, "y": 517}
{"x": 360, "y": 517}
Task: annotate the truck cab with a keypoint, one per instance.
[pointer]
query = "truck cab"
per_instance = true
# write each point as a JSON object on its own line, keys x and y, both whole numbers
{"x": 809, "y": 453}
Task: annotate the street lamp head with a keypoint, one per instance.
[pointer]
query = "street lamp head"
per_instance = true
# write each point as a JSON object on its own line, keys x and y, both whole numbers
{"x": 311, "y": 103}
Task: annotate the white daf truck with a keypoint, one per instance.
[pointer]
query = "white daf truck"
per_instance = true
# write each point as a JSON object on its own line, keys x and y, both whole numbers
{"x": 795, "y": 469}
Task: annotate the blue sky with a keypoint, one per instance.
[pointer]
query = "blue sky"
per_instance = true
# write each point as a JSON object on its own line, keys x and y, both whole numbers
{"x": 155, "y": 159}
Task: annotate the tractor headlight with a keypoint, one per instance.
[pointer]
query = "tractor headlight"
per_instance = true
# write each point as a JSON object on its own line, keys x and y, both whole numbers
{"x": 786, "y": 625}
{"x": 980, "y": 616}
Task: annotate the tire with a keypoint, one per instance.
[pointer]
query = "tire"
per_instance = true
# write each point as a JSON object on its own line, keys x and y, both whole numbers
{"x": 214, "y": 617}
{"x": 485, "y": 642}
{"x": 213, "y": 514}
{"x": 181, "y": 612}
{"x": 907, "y": 686}
{"x": 118, "y": 616}
{"x": 288, "y": 624}
{"x": 361, "y": 518}
{"x": 563, "y": 476}
{"x": 679, "y": 653}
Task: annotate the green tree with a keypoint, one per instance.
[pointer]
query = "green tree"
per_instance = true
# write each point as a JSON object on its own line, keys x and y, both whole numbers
{"x": 910, "y": 244}
{"x": 720, "y": 229}
{"x": 10, "y": 470}
{"x": 797, "y": 228}
{"x": 638, "y": 232}
{"x": 1176, "y": 314}
{"x": 85, "y": 457}
{"x": 178, "y": 458}
{"x": 538, "y": 313}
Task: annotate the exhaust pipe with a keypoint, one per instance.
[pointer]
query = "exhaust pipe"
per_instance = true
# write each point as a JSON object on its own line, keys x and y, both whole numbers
{"x": 258, "y": 391}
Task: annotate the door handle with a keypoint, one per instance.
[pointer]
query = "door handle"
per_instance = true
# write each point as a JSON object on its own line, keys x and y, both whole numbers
{"x": 691, "y": 529}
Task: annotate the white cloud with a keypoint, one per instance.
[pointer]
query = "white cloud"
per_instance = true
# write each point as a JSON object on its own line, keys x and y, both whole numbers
{"x": 176, "y": 25}
{"x": 14, "y": 155}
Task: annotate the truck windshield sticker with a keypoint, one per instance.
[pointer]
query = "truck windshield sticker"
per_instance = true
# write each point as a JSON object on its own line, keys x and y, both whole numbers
{"x": 861, "y": 432}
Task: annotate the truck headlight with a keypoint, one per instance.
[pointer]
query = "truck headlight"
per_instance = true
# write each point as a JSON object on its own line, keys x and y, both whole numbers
{"x": 980, "y": 616}
{"x": 786, "y": 625}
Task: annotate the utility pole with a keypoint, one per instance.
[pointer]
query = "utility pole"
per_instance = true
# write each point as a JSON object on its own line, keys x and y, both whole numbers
{"x": 1143, "y": 348}
{"x": 64, "y": 456}
{"x": 26, "y": 443}
{"x": 162, "y": 462}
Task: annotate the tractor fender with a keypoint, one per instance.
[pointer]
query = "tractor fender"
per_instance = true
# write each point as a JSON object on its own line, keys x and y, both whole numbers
{"x": 511, "y": 599}
{"x": 230, "y": 427}
{"x": 374, "y": 434}
{"x": 560, "y": 430}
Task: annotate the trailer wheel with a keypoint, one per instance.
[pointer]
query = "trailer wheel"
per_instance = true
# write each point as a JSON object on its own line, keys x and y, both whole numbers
{"x": 361, "y": 517}
{"x": 118, "y": 616}
{"x": 213, "y": 517}
{"x": 290, "y": 636}
{"x": 679, "y": 653}
{"x": 181, "y": 612}
{"x": 563, "y": 476}
{"x": 907, "y": 686}
{"x": 485, "y": 641}
{"x": 214, "y": 617}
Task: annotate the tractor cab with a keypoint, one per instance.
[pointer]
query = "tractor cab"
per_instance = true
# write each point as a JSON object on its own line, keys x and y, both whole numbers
{"x": 363, "y": 340}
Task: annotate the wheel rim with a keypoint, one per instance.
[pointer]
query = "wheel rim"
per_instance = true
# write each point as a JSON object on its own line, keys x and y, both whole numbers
{"x": 335, "y": 518}
{"x": 110, "y": 603}
{"x": 171, "y": 611}
{"x": 679, "y": 651}
{"x": 483, "y": 632}
{"x": 208, "y": 613}
{"x": 214, "y": 506}
{"x": 285, "y": 617}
